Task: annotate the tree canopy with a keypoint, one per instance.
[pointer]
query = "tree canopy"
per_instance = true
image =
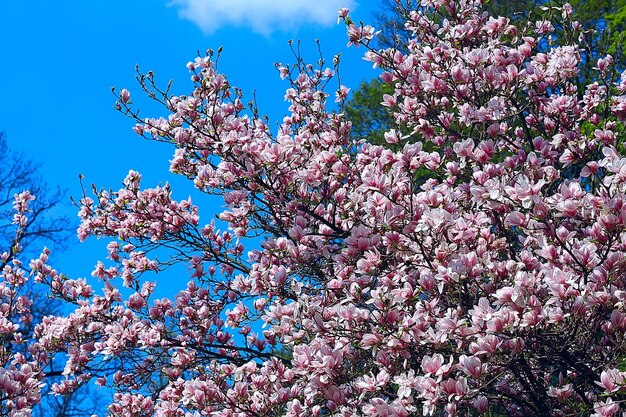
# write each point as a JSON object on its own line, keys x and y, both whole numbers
{"x": 602, "y": 23}
{"x": 496, "y": 285}
{"x": 25, "y": 303}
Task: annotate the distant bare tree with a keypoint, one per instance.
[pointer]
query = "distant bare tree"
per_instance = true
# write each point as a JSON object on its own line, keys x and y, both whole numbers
{"x": 48, "y": 225}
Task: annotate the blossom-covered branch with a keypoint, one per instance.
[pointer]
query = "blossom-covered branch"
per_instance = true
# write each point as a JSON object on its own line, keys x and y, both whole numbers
{"x": 495, "y": 284}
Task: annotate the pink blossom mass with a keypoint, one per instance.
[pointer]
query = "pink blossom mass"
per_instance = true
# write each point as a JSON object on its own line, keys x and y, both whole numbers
{"x": 474, "y": 266}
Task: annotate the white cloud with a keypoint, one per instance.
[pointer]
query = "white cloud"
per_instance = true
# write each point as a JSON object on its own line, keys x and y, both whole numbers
{"x": 262, "y": 16}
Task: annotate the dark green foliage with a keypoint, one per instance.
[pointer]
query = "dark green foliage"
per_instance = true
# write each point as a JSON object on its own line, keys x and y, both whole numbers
{"x": 369, "y": 119}
{"x": 604, "y": 22}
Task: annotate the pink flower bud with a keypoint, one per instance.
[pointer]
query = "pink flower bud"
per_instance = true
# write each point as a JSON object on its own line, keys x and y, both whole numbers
{"x": 124, "y": 96}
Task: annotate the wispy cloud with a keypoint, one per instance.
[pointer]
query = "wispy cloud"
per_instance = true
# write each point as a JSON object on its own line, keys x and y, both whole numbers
{"x": 262, "y": 16}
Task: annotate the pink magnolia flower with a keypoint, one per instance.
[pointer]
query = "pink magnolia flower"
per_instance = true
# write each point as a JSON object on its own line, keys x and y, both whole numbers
{"x": 611, "y": 380}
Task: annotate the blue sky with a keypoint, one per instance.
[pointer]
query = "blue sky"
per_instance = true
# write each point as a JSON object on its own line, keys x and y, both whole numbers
{"x": 61, "y": 58}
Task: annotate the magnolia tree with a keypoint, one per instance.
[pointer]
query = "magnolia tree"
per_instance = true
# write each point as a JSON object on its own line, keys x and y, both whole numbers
{"x": 496, "y": 285}
{"x": 21, "y": 366}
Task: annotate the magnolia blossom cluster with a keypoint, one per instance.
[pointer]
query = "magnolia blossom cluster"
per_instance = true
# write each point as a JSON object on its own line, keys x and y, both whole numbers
{"x": 21, "y": 367}
{"x": 477, "y": 267}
